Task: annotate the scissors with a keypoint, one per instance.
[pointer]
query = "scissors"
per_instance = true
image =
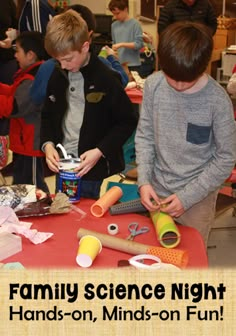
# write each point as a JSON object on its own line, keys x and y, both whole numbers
{"x": 133, "y": 229}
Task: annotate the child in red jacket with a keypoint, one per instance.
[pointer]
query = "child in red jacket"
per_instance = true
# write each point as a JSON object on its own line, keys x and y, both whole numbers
{"x": 25, "y": 116}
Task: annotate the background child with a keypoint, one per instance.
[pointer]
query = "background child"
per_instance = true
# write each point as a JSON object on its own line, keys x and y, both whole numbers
{"x": 86, "y": 108}
{"x": 108, "y": 56}
{"x": 24, "y": 115}
{"x": 186, "y": 136}
{"x": 127, "y": 35}
{"x": 231, "y": 88}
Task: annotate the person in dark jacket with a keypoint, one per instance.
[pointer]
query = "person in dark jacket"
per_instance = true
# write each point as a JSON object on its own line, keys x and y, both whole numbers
{"x": 34, "y": 15}
{"x": 8, "y": 64}
{"x": 86, "y": 107}
{"x": 24, "y": 133}
{"x": 200, "y": 11}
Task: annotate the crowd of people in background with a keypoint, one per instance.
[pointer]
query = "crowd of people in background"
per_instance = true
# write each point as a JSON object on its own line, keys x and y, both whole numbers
{"x": 8, "y": 64}
{"x": 201, "y": 11}
{"x": 56, "y": 89}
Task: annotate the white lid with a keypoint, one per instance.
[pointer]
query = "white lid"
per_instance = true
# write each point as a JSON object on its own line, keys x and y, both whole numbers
{"x": 69, "y": 164}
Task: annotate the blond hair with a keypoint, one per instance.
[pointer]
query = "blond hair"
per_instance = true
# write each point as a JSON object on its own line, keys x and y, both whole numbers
{"x": 66, "y": 32}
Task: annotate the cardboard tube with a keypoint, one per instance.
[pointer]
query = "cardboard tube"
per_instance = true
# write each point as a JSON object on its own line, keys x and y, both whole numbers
{"x": 176, "y": 257}
{"x": 109, "y": 198}
{"x": 166, "y": 230}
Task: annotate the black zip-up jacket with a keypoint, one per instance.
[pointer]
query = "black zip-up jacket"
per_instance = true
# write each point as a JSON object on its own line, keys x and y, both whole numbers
{"x": 201, "y": 11}
{"x": 109, "y": 118}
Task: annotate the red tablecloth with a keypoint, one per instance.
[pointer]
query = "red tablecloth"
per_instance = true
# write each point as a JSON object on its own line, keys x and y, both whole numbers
{"x": 135, "y": 95}
{"x": 60, "y": 250}
{"x": 232, "y": 177}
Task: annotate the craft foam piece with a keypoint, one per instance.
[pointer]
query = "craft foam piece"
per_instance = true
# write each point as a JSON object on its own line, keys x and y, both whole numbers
{"x": 176, "y": 257}
{"x": 9, "y": 244}
{"x": 99, "y": 208}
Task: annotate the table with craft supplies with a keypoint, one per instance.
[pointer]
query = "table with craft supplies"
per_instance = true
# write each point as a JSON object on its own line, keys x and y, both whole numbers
{"x": 60, "y": 250}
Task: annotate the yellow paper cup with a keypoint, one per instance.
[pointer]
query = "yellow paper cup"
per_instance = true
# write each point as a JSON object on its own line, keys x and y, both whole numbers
{"x": 89, "y": 248}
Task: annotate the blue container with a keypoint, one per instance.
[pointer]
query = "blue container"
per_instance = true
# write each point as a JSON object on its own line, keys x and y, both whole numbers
{"x": 69, "y": 182}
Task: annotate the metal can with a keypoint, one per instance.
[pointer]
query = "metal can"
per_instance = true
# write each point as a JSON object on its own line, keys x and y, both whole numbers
{"x": 69, "y": 182}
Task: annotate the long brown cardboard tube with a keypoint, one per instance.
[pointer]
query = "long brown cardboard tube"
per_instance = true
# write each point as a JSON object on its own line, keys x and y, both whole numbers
{"x": 173, "y": 256}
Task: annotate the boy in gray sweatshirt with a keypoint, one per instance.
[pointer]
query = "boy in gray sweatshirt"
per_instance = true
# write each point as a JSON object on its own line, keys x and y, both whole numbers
{"x": 186, "y": 136}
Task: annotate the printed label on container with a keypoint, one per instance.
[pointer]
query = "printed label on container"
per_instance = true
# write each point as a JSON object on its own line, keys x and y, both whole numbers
{"x": 69, "y": 184}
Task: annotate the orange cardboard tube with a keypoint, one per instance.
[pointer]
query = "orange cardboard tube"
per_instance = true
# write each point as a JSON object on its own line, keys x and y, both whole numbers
{"x": 176, "y": 257}
{"x": 99, "y": 208}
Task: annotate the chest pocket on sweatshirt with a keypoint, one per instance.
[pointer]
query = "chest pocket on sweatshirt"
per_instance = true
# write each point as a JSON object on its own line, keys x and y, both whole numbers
{"x": 198, "y": 135}
{"x": 94, "y": 97}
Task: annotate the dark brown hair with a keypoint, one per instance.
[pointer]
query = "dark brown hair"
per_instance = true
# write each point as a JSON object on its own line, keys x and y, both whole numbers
{"x": 86, "y": 14}
{"x": 120, "y": 4}
{"x": 32, "y": 41}
{"x": 184, "y": 50}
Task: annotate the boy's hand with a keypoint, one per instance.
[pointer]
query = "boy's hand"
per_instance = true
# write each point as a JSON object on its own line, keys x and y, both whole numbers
{"x": 172, "y": 206}
{"x": 110, "y": 51}
{"x": 11, "y": 34}
{"x": 116, "y": 46}
{"x": 88, "y": 161}
{"x": 6, "y": 44}
{"x": 149, "y": 198}
{"x": 52, "y": 157}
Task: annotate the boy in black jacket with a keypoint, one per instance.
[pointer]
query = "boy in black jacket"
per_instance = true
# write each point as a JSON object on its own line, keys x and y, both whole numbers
{"x": 86, "y": 108}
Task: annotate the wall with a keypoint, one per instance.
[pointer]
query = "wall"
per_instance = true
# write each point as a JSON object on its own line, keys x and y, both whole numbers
{"x": 100, "y": 6}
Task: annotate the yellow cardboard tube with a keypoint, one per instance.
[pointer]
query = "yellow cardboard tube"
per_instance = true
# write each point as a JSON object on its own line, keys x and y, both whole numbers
{"x": 166, "y": 230}
{"x": 99, "y": 208}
